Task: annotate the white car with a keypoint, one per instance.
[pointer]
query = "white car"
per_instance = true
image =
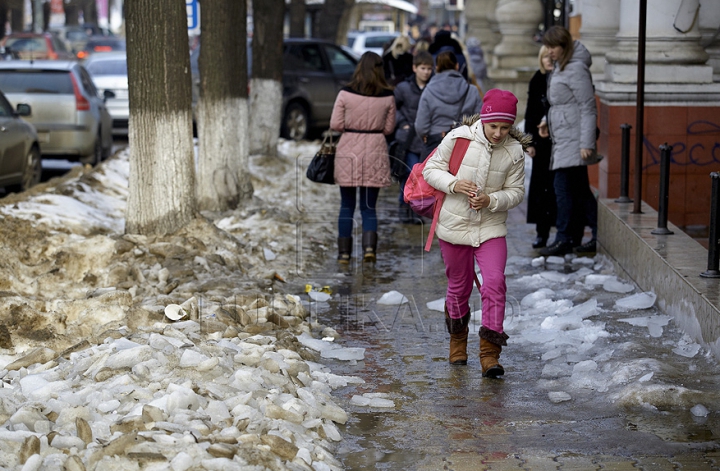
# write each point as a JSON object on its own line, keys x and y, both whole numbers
{"x": 363, "y": 41}
{"x": 108, "y": 71}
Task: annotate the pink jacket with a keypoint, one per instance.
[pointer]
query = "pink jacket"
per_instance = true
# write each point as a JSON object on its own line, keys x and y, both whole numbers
{"x": 361, "y": 158}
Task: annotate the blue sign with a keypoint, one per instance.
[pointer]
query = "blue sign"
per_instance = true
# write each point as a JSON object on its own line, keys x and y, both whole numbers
{"x": 192, "y": 13}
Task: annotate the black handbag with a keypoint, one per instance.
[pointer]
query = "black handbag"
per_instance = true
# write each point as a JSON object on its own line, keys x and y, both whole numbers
{"x": 322, "y": 166}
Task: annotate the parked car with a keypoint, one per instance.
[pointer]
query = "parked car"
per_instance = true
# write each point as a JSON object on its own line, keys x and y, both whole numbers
{"x": 20, "y": 162}
{"x": 71, "y": 119}
{"x": 314, "y": 71}
{"x": 97, "y": 44}
{"x": 75, "y": 36}
{"x": 36, "y": 46}
{"x": 363, "y": 41}
{"x": 108, "y": 71}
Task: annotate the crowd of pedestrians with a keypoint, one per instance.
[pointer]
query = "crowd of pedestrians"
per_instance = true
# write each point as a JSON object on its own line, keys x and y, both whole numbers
{"x": 417, "y": 98}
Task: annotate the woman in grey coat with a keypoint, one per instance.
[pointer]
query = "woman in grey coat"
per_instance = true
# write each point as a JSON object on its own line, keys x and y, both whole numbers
{"x": 446, "y": 99}
{"x": 572, "y": 123}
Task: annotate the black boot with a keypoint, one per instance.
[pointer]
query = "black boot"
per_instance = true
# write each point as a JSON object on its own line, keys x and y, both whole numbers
{"x": 344, "y": 249}
{"x": 369, "y": 245}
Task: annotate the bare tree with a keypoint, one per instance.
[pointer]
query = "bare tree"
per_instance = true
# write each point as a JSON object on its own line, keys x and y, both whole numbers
{"x": 297, "y": 18}
{"x": 333, "y": 19}
{"x": 266, "y": 82}
{"x": 90, "y": 12}
{"x": 72, "y": 12}
{"x": 161, "y": 196}
{"x": 222, "y": 109}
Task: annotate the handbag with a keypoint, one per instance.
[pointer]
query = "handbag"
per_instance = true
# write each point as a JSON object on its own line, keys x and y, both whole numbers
{"x": 322, "y": 166}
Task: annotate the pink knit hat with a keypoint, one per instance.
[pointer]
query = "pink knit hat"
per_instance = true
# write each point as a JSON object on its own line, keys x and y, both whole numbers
{"x": 498, "y": 106}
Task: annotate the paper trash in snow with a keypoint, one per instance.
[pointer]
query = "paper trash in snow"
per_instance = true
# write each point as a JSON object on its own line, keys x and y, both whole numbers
{"x": 392, "y": 297}
{"x": 637, "y": 301}
{"x": 269, "y": 254}
{"x": 174, "y": 312}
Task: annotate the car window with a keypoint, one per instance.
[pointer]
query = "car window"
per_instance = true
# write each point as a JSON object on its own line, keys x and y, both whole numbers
{"x": 87, "y": 82}
{"x": 340, "y": 62}
{"x": 107, "y": 67}
{"x": 351, "y": 41}
{"x": 76, "y": 35}
{"x": 58, "y": 45}
{"x": 27, "y": 44}
{"x": 6, "y": 109}
{"x": 377, "y": 41}
{"x": 19, "y": 81}
{"x": 304, "y": 57}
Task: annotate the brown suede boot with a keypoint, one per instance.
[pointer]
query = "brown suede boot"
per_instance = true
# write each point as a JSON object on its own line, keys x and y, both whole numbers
{"x": 458, "y": 330}
{"x": 491, "y": 343}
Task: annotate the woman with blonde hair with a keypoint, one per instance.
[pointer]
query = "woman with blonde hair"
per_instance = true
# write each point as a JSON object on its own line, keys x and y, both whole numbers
{"x": 397, "y": 61}
{"x": 364, "y": 112}
{"x": 541, "y": 207}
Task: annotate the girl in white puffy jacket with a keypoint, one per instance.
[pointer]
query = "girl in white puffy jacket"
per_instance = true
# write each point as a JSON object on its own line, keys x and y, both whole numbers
{"x": 471, "y": 225}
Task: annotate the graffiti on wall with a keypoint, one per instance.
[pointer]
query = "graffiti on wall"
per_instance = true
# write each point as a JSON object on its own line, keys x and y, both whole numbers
{"x": 696, "y": 154}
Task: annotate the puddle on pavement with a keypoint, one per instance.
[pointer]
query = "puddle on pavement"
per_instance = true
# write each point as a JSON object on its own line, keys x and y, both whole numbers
{"x": 441, "y": 409}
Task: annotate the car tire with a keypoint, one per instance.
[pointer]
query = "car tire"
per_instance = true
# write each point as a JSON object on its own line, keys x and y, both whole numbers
{"x": 295, "y": 122}
{"x": 32, "y": 171}
{"x": 97, "y": 155}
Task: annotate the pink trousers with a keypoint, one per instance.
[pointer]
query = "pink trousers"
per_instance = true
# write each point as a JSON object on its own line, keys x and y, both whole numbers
{"x": 459, "y": 260}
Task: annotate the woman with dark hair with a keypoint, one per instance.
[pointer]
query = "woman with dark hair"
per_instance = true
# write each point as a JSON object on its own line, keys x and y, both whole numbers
{"x": 571, "y": 123}
{"x": 364, "y": 112}
{"x": 541, "y": 207}
{"x": 446, "y": 99}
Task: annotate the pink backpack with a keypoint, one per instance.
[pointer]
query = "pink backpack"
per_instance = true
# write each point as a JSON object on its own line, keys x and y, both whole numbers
{"x": 423, "y": 198}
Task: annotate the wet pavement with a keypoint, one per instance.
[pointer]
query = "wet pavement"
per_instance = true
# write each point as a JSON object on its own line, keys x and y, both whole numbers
{"x": 626, "y": 395}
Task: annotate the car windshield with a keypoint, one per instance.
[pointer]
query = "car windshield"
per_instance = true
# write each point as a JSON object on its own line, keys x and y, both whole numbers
{"x": 107, "y": 67}
{"x": 27, "y": 44}
{"x": 21, "y": 81}
{"x": 377, "y": 41}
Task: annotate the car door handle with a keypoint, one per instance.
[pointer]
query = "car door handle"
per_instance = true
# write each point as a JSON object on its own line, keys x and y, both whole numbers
{"x": 304, "y": 79}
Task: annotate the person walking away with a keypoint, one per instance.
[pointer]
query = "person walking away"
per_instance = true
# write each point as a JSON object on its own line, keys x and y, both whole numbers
{"x": 471, "y": 224}
{"x": 443, "y": 42}
{"x": 571, "y": 123}
{"x": 364, "y": 111}
{"x": 407, "y": 98}
{"x": 446, "y": 99}
{"x": 398, "y": 61}
{"x": 541, "y": 206}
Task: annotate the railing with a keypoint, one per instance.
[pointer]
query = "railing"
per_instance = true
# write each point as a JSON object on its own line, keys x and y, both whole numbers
{"x": 664, "y": 196}
{"x": 625, "y": 164}
{"x": 713, "y": 270}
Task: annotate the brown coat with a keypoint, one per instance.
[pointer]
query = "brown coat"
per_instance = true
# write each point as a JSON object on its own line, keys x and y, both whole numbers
{"x": 361, "y": 159}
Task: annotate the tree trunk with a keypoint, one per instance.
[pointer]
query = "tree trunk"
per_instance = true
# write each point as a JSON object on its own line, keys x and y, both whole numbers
{"x": 4, "y": 10}
{"x": 297, "y": 18}
{"x": 72, "y": 13}
{"x": 222, "y": 110}
{"x": 90, "y": 12}
{"x": 330, "y": 22}
{"x": 161, "y": 196}
{"x": 266, "y": 84}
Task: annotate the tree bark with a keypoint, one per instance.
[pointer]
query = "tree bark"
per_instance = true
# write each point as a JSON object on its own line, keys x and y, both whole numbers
{"x": 72, "y": 13}
{"x": 3, "y": 16}
{"x": 90, "y": 12}
{"x": 297, "y": 18}
{"x": 331, "y": 21}
{"x": 222, "y": 109}
{"x": 161, "y": 196}
{"x": 266, "y": 82}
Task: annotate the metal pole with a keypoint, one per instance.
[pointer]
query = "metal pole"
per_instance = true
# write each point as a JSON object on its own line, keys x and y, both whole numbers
{"x": 640, "y": 107}
{"x": 713, "y": 270}
{"x": 664, "y": 197}
{"x": 625, "y": 164}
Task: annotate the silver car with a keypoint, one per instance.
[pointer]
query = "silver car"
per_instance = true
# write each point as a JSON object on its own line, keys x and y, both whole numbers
{"x": 109, "y": 73}
{"x": 20, "y": 164}
{"x": 71, "y": 119}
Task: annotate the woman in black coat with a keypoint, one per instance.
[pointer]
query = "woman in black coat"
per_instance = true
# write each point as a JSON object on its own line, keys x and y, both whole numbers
{"x": 541, "y": 205}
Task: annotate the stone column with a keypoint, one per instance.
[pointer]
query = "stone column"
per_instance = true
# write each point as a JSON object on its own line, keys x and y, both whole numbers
{"x": 514, "y": 59}
{"x": 600, "y": 23}
{"x": 709, "y": 20}
{"x": 478, "y": 24}
{"x": 671, "y": 56}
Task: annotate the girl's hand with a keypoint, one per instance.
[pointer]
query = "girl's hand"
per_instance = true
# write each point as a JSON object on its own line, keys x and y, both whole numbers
{"x": 530, "y": 151}
{"x": 466, "y": 187}
{"x": 479, "y": 202}
{"x": 586, "y": 153}
{"x": 543, "y": 129}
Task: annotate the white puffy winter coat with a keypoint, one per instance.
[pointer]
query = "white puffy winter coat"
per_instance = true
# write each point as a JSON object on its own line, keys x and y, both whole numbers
{"x": 498, "y": 171}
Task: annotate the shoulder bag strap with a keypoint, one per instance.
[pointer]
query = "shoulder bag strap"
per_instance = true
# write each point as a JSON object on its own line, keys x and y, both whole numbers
{"x": 456, "y": 158}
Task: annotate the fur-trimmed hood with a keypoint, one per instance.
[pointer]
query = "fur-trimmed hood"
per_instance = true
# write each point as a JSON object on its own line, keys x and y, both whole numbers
{"x": 524, "y": 139}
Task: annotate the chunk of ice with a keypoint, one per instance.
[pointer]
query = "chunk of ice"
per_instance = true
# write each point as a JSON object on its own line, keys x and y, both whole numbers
{"x": 437, "y": 305}
{"x": 557, "y": 397}
{"x": 699, "y": 410}
{"x": 615, "y": 286}
{"x": 392, "y": 297}
{"x": 318, "y": 296}
{"x": 636, "y": 301}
